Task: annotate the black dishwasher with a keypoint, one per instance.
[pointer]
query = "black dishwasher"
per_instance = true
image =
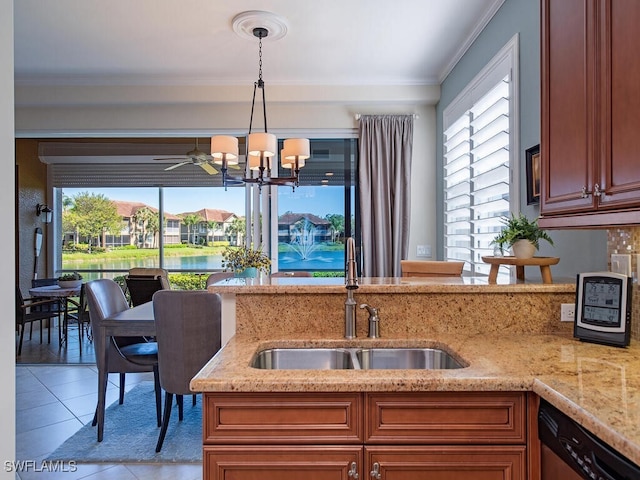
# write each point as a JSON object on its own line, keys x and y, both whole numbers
{"x": 566, "y": 446}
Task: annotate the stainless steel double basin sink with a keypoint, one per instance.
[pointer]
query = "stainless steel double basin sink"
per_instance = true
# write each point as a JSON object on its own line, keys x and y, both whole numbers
{"x": 375, "y": 358}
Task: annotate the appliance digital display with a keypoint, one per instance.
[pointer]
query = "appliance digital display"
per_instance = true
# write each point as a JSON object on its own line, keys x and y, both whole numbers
{"x": 603, "y": 308}
{"x": 601, "y": 301}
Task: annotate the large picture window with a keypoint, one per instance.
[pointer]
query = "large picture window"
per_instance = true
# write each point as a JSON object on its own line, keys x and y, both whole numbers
{"x": 111, "y": 218}
{"x": 315, "y": 218}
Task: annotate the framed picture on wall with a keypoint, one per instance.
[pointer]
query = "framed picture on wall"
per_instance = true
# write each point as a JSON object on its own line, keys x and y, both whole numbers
{"x": 532, "y": 158}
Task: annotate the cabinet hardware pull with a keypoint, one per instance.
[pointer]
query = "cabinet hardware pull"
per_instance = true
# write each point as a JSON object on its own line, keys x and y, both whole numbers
{"x": 596, "y": 191}
{"x": 375, "y": 473}
{"x": 353, "y": 471}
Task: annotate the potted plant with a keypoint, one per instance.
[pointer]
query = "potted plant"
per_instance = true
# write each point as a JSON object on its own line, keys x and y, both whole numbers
{"x": 245, "y": 262}
{"x": 522, "y": 234}
{"x": 70, "y": 280}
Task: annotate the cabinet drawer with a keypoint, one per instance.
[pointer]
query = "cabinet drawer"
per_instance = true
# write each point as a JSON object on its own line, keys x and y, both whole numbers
{"x": 503, "y": 462}
{"x": 318, "y": 418}
{"x": 446, "y": 418}
{"x": 251, "y": 462}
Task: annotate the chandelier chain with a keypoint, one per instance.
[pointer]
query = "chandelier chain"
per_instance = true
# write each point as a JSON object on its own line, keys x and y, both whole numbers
{"x": 260, "y": 61}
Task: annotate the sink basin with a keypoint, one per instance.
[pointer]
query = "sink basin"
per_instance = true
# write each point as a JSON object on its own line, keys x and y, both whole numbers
{"x": 406, "y": 358}
{"x": 354, "y": 359}
{"x": 303, "y": 359}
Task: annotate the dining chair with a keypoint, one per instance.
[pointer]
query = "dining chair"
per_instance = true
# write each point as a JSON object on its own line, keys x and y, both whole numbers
{"x": 431, "y": 268}
{"x": 47, "y": 282}
{"x": 188, "y": 332}
{"x": 126, "y": 354}
{"x": 142, "y": 283}
{"x": 217, "y": 276}
{"x": 78, "y": 312}
{"x": 28, "y": 311}
{"x": 295, "y": 273}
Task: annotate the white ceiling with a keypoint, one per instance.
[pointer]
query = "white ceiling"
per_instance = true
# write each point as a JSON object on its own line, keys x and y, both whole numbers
{"x": 191, "y": 42}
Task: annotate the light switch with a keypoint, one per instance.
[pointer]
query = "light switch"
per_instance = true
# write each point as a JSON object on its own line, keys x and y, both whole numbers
{"x": 621, "y": 263}
{"x": 424, "y": 251}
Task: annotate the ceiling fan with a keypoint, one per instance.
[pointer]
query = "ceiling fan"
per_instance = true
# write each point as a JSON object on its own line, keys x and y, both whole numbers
{"x": 195, "y": 157}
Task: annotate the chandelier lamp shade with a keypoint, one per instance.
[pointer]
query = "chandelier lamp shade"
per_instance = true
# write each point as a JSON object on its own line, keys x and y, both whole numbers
{"x": 262, "y": 147}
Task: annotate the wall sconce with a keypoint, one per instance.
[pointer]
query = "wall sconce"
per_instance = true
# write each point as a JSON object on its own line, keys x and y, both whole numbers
{"x": 43, "y": 209}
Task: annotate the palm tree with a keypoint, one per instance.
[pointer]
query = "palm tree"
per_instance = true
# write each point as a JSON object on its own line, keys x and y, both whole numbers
{"x": 190, "y": 221}
{"x": 211, "y": 227}
{"x": 143, "y": 216}
{"x": 236, "y": 229}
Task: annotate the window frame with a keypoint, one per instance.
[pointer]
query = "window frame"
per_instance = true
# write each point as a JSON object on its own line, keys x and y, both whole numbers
{"x": 504, "y": 63}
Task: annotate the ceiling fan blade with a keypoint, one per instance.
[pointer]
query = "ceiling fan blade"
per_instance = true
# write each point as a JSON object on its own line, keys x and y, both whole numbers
{"x": 172, "y": 159}
{"x": 177, "y": 165}
{"x": 209, "y": 169}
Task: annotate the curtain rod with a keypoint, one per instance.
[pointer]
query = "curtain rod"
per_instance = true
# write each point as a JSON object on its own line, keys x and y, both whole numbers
{"x": 415, "y": 115}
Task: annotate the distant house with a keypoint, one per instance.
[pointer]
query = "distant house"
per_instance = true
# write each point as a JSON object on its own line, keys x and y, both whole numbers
{"x": 202, "y": 232}
{"x": 136, "y": 230}
{"x": 303, "y": 228}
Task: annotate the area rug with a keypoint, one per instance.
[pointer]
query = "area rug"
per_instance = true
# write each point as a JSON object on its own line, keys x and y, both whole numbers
{"x": 131, "y": 433}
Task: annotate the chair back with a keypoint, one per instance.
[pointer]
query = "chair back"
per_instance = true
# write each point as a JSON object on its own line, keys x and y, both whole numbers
{"x": 105, "y": 299}
{"x": 20, "y": 312}
{"x": 143, "y": 282}
{"x": 430, "y": 268}
{"x": 188, "y": 332}
{"x": 45, "y": 282}
{"x": 142, "y": 288}
{"x": 152, "y": 272}
{"x": 217, "y": 276}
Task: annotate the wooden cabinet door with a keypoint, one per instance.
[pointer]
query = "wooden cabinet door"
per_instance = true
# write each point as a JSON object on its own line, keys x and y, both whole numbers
{"x": 568, "y": 139}
{"x": 252, "y": 462}
{"x": 445, "y": 463}
{"x": 619, "y": 103}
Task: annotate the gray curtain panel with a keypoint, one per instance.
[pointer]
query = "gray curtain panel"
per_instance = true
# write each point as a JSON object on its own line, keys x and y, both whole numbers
{"x": 386, "y": 144}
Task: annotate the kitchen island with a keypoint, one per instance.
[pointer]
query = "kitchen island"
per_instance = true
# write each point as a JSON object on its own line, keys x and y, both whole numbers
{"x": 509, "y": 337}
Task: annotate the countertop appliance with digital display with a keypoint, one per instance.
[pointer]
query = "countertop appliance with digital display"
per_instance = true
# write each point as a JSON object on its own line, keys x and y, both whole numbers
{"x": 603, "y": 308}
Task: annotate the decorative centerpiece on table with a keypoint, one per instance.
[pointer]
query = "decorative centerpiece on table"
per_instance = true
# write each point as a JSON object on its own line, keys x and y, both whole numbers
{"x": 70, "y": 280}
{"x": 245, "y": 262}
{"x": 522, "y": 235}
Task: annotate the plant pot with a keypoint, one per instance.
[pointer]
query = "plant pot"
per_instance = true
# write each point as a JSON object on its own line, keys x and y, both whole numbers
{"x": 251, "y": 272}
{"x": 523, "y": 249}
{"x": 69, "y": 283}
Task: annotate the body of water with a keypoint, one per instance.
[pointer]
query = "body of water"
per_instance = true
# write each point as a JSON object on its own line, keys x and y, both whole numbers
{"x": 318, "y": 260}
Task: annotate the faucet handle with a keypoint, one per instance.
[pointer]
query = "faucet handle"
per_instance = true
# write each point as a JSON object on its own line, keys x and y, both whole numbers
{"x": 372, "y": 310}
{"x": 374, "y": 321}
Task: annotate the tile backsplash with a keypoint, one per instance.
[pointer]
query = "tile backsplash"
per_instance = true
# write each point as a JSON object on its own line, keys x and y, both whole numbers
{"x": 626, "y": 240}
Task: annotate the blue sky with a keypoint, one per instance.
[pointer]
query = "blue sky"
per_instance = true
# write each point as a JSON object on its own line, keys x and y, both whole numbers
{"x": 317, "y": 200}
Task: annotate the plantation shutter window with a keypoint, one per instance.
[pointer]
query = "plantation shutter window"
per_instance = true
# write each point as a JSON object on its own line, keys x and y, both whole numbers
{"x": 478, "y": 147}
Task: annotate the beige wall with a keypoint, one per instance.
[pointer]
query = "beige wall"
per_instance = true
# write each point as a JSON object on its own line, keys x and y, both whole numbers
{"x": 32, "y": 182}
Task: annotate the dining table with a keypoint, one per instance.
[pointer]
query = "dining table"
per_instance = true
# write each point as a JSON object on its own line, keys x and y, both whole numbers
{"x": 136, "y": 321}
{"x": 62, "y": 294}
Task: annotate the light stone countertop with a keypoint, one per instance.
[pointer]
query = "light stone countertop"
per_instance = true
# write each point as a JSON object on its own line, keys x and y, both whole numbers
{"x": 596, "y": 385}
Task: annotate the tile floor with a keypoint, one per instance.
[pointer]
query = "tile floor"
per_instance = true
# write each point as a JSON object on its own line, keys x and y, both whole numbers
{"x": 56, "y": 393}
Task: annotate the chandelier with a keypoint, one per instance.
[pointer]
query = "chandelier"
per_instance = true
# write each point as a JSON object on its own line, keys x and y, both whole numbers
{"x": 262, "y": 147}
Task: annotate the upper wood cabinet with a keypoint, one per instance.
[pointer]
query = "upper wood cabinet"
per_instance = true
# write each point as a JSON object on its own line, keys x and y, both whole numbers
{"x": 590, "y": 113}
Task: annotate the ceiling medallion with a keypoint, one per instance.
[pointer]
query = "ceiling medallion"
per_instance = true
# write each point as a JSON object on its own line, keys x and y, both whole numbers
{"x": 244, "y": 24}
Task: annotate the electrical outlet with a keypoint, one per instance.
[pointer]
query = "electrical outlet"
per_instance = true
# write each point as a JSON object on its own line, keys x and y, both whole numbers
{"x": 567, "y": 312}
